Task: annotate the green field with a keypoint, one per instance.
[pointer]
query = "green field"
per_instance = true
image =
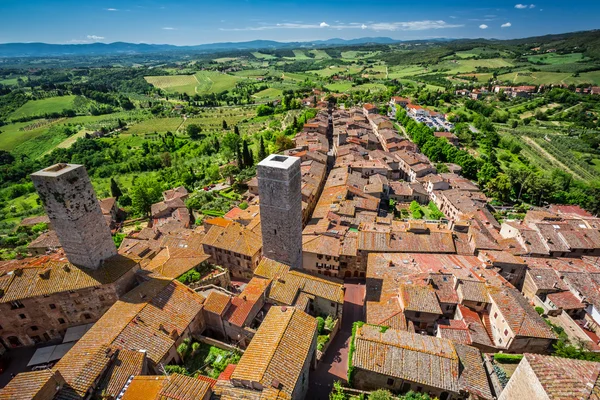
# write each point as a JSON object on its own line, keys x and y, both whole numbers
{"x": 355, "y": 54}
{"x": 200, "y": 83}
{"x": 543, "y": 77}
{"x": 320, "y": 54}
{"x": 341, "y": 86}
{"x": 373, "y": 87}
{"x": 269, "y": 93}
{"x": 300, "y": 55}
{"x": 462, "y": 66}
{"x": 44, "y": 106}
{"x": 480, "y": 52}
{"x": 262, "y": 56}
{"x": 556, "y": 59}
{"x": 9, "y": 81}
{"x": 160, "y": 125}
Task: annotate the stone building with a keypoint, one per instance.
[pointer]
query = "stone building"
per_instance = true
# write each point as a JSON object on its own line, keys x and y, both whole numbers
{"x": 75, "y": 214}
{"x": 552, "y": 378}
{"x": 281, "y": 209}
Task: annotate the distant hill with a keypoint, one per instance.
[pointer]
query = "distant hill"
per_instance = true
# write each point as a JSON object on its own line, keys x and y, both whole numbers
{"x": 91, "y": 49}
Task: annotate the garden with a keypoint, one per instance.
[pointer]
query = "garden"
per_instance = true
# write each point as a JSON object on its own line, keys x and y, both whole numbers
{"x": 202, "y": 359}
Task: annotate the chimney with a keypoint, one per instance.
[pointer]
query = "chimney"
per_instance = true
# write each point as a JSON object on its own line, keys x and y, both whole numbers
{"x": 75, "y": 214}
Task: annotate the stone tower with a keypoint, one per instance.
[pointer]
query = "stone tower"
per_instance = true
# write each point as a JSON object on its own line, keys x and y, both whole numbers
{"x": 73, "y": 209}
{"x": 279, "y": 189}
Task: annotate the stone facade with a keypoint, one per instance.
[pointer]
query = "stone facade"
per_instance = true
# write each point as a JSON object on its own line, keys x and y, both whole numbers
{"x": 279, "y": 185}
{"x": 40, "y": 319}
{"x": 73, "y": 209}
{"x": 524, "y": 384}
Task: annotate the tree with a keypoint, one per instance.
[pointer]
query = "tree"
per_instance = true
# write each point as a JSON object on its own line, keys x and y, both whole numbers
{"x": 193, "y": 131}
{"x": 236, "y": 130}
{"x": 500, "y": 187}
{"x": 224, "y": 124}
{"x": 144, "y": 193}
{"x": 6, "y": 158}
{"x": 247, "y": 157}
{"x": 231, "y": 144}
{"x": 229, "y": 171}
{"x": 486, "y": 173}
{"x": 415, "y": 210}
{"x": 115, "y": 191}
{"x": 337, "y": 393}
{"x": 381, "y": 394}
{"x": 284, "y": 143}
{"x": 262, "y": 151}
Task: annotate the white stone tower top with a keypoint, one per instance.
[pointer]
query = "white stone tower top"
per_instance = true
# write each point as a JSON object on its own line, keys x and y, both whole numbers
{"x": 75, "y": 214}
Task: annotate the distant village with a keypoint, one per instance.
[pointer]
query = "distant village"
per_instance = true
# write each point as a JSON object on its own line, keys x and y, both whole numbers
{"x": 323, "y": 271}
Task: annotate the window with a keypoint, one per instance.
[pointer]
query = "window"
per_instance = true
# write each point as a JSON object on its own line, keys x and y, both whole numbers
{"x": 61, "y": 321}
{"x": 506, "y": 332}
{"x": 390, "y": 382}
{"x": 332, "y": 304}
{"x": 495, "y": 315}
{"x": 22, "y": 316}
{"x": 34, "y": 328}
{"x": 52, "y": 306}
{"x": 87, "y": 316}
{"x": 16, "y": 304}
{"x": 478, "y": 304}
{"x": 0, "y": 327}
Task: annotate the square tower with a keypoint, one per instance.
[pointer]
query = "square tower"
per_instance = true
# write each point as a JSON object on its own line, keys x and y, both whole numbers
{"x": 280, "y": 193}
{"x": 75, "y": 214}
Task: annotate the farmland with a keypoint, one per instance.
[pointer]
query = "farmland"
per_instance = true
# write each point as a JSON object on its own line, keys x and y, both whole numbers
{"x": 44, "y": 106}
{"x": 200, "y": 83}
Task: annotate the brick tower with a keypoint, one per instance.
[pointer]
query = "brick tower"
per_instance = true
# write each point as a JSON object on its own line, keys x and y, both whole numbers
{"x": 279, "y": 189}
{"x": 73, "y": 209}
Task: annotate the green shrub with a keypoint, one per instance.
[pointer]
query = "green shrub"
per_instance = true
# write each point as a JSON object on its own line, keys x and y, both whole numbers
{"x": 320, "y": 324}
{"x": 243, "y": 205}
{"x": 322, "y": 341}
{"x": 508, "y": 358}
{"x": 539, "y": 310}
{"x": 329, "y": 322}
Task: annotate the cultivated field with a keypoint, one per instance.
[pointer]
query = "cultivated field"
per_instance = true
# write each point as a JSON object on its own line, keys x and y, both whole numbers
{"x": 44, "y": 106}
{"x": 200, "y": 83}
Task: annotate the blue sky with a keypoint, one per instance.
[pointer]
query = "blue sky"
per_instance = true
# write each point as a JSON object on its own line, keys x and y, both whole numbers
{"x": 184, "y": 22}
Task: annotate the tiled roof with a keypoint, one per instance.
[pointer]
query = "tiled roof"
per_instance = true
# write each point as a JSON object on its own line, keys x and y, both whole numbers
{"x": 45, "y": 240}
{"x": 149, "y": 317}
{"x": 279, "y": 349}
{"x": 417, "y": 358}
{"x": 287, "y": 284}
{"x": 174, "y": 262}
{"x": 406, "y": 242}
{"x": 473, "y": 377}
{"x": 242, "y": 305}
{"x": 235, "y": 238}
{"x": 477, "y": 331}
{"x": 172, "y": 387}
{"x": 49, "y": 274}
{"x": 565, "y": 379}
{"x": 217, "y": 302}
{"x": 520, "y": 316}
{"x": 419, "y": 299}
{"x": 455, "y": 330}
{"x": 476, "y": 291}
{"x": 321, "y": 244}
{"x": 32, "y": 385}
{"x": 566, "y": 300}
{"x": 126, "y": 363}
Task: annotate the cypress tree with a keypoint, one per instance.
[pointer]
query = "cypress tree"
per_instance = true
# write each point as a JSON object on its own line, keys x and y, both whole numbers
{"x": 115, "y": 191}
{"x": 262, "y": 152}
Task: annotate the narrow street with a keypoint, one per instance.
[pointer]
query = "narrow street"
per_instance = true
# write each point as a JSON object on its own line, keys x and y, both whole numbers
{"x": 334, "y": 366}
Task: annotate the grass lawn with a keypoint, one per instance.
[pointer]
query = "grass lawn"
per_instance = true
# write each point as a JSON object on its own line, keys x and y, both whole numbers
{"x": 341, "y": 86}
{"x": 556, "y": 59}
{"x": 160, "y": 125}
{"x": 44, "y": 106}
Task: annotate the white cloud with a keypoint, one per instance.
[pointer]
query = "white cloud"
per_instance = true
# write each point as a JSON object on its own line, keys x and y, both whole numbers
{"x": 168, "y": 28}
{"x": 506, "y": 25}
{"x": 94, "y": 37}
{"x": 521, "y": 6}
{"x": 111, "y": 9}
{"x": 483, "y": 26}
{"x": 376, "y": 26}
{"x": 532, "y": 6}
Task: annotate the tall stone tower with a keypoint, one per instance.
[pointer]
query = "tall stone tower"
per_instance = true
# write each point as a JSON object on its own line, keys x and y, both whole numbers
{"x": 279, "y": 189}
{"x": 73, "y": 209}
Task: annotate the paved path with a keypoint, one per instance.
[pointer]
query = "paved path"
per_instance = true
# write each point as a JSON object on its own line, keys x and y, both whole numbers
{"x": 334, "y": 366}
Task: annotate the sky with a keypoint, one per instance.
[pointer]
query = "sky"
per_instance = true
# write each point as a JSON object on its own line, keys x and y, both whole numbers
{"x": 190, "y": 22}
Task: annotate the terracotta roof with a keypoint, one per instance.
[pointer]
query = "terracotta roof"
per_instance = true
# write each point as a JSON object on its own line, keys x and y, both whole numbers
{"x": 417, "y": 358}
{"x": 419, "y": 299}
{"x": 149, "y": 317}
{"x": 46, "y": 240}
{"x": 475, "y": 291}
{"x": 243, "y": 304}
{"x": 227, "y": 372}
{"x": 49, "y": 274}
{"x": 106, "y": 205}
{"x": 279, "y": 349}
{"x": 172, "y": 387}
{"x": 478, "y": 333}
{"x": 30, "y": 221}
{"x": 321, "y": 244}
{"x": 563, "y": 378}
{"x": 126, "y": 363}
{"x": 217, "y": 302}
{"x": 235, "y": 238}
{"x": 520, "y": 316}
{"x": 473, "y": 376}
{"x": 174, "y": 262}
{"x": 406, "y": 242}
{"x": 454, "y": 330}
{"x": 39, "y": 385}
{"x": 566, "y": 300}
